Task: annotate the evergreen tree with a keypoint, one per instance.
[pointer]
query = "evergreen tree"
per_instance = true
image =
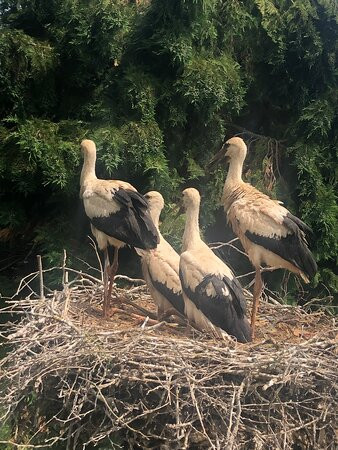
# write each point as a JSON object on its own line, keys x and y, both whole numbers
{"x": 158, "y": 84}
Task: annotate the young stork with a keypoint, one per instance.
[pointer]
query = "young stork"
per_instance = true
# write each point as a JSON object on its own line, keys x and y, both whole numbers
{"x": 161, "y": 267}
{"x": 269, "y": 233}
{"x": 213, "y": 297}
{"x": 118, "y": 215}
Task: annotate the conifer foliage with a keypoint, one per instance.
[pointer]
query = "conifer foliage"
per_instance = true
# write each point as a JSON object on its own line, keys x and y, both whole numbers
{"x": 158, "y": 84}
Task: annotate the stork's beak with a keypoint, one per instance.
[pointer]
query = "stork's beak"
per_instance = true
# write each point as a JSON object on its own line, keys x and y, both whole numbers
{"x": 181, "y": 209}
{"x": 219, "y": 158}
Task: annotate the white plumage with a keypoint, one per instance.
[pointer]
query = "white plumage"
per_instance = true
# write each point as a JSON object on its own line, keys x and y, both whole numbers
{"x": 269, "y": 233}
{"x": 213, "y": 297}
{"x": 118, "y": 215}
{"x": 160, "y": 267}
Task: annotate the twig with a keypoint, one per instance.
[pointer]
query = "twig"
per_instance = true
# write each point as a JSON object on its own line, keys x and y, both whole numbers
{"x": 93, "y": 244}
{"x": 130, "y": 280}
{"x": 256, "y": 135}
{"x": 42, "y": 293}
{"x": 65, "y": 285}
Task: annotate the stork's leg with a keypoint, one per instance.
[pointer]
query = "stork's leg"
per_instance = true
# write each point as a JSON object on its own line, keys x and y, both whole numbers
{"x": 113, "y": 270}
{"x": 106, "y": 272}
{"x": 256, "y": 296}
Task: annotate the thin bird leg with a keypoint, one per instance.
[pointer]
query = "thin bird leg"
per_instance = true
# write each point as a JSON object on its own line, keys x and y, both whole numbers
{"x": 256, "y": 296}
{"x": 106, "y": 271}
{"x": 113, "y": 270}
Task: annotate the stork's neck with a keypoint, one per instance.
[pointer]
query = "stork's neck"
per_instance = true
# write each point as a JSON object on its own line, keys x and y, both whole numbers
{"x": 88, "y": 168}
{"x": 191, "y": 234}
{"x": 235, "y": 172}
{"x": 155, "y": 216}
{"x": 233, "y": 186}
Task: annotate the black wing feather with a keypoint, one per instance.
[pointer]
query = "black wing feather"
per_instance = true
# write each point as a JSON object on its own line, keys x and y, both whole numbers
{"x": 224, "y": 311}
{"x": 175, "y": 298}
{"x": 132, "y": 224}
{"x": 305, "y": 228}
{"x": 292, "y": 248}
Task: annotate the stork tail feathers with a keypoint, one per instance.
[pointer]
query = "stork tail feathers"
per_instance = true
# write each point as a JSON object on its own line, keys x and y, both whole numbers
{"x": 131, "y": 230}
{"x": 232, "y": 319}
{"x": 148, "y": 233}
{"x": 140, "y": 220}
{"x": 224, "y": 309}
{"x": 132, "y": 223}
{"x": 292, "y": 248}
{"x": 305, "y": 228}
{"x": 241, "y": 329}
{"x": 309, "y": 264}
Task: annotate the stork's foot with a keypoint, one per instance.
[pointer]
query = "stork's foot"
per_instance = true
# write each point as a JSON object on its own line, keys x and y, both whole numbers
{"x": 112, "y": 307}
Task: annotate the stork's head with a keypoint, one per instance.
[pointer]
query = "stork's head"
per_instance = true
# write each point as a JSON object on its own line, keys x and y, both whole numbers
{"x": 191, "y": 198}
{"x": 88, "y": 148}
{"x": 156, "y": 204}
{"x": 233, "y": 148}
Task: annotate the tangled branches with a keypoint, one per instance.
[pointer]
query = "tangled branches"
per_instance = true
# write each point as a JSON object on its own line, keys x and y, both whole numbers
{"x": 271, "y": 163}
{"x": 73, "y": 378}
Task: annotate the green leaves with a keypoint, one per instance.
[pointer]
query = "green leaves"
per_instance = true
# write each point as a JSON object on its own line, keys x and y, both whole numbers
{"x": 38, "y": 147}
{"x": 210, "y": 84}
{"x": 316, "y": 119}
{"x": 25, "y": 64}
{"x": 317, "y": 194}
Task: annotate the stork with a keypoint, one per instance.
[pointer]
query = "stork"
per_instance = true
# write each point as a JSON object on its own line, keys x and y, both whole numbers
{"x": 160, "y": 267}
{"x": 118, "y": 215}
{"x": 269, "y": 233}
{"x": 214, "y": 299}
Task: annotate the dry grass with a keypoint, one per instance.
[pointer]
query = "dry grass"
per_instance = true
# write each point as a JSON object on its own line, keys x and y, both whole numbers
{"x": 74, "y": 378}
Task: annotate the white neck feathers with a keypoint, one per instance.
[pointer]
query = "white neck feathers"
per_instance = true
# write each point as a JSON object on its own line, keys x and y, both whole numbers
{"x": 88, "y": 168}
{"x": 155, "y": 215}
{"x": 191, "y": 234}
{"x": 235, "y": 172}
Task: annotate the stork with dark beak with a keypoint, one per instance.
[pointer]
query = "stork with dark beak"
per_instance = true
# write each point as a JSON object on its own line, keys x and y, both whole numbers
{"x": 213, "y": 297}
{"x": 269, "y": 233}
{"x": 118, "y": 215}
{"x": 160, "y": 267}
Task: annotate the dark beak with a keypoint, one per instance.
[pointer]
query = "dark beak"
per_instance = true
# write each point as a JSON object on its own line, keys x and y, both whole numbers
{"x": 181, "y": 209}
{"x": 219, "y": 158}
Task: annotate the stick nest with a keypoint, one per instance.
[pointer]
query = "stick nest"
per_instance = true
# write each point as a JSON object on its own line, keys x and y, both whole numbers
{"x": 74, "y": 379}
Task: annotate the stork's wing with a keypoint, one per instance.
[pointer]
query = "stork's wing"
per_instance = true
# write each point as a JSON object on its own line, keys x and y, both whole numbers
{"x": 220, "y": 299}
{"x": 268, "y": 224}
{"x": 261, "y": 216}
{"x": 163, "y": 272}
{"x": 122, "y": 214}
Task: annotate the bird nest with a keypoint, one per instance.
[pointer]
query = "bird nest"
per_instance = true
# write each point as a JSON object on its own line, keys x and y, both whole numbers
{"x": 72, "y": 378}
